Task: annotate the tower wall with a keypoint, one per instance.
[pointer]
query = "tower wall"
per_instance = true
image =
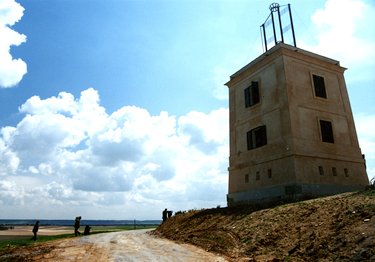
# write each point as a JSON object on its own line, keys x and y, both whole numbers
{"x": 296, "y": 160}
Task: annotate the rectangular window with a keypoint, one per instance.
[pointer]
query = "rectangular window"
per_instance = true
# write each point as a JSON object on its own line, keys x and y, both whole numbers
{"x": 257, "y": 176}
{"x": 269, "y": 173}
{"x": 346, "y": 171}
{"x": 256, "y": 137}
{"x": 252, "y": 94}
{"x": 321, "y": 171}
{"x": 319, "y": 86}
{"x": 247, "y": 178}
{"x": 334, "y": 171}
{"x": 326, "y": 131}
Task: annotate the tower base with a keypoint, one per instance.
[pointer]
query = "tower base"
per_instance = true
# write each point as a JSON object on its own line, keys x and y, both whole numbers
{"x": 286, "y": 193}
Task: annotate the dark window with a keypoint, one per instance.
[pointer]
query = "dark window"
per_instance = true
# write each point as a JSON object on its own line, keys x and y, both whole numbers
{"x": 269, "y": 173}
{"x": 326, "y": 131}
{"x": 257, "y": 176}
{"x": 256, "y": 137}
{"x": 247, "y": 178}
{"x": 319, "y": 86}
{"x": 252, "y": 94}
{"x": 346, "y": 171}
{"x": 321, "y": 171}
{"x": 334, "y": 171}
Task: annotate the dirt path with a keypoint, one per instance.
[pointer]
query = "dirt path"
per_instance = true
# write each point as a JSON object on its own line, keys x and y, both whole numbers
{"x": 135, "y": 245}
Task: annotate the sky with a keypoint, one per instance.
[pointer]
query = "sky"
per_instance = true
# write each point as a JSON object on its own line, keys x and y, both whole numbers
{"x": 117, "y": 109}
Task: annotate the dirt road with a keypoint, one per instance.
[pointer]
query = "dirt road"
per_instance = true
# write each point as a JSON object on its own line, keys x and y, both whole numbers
{"x": 135, "y": 245}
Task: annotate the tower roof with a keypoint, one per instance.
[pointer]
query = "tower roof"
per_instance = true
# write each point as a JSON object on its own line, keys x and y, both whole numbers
{"x": 284, "y": 49}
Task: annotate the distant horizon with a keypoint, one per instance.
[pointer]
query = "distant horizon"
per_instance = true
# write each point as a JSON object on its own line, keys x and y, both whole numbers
{"x": 70, "y": 222}
{"x": 19, "y": 219}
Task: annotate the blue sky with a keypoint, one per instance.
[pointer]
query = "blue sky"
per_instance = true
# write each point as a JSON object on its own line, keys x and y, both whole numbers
{"x": 117, "y": 109}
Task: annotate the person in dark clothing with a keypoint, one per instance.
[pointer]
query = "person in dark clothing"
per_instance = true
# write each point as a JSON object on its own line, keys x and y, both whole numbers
{"x": 35, "y": 230}
{"x": 77, "y": 224}
{"x": 87, "y": 230}
{"x": 165, "y": 214}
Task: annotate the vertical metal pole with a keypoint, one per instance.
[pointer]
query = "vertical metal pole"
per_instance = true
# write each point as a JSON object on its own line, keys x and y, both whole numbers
{"x": 261, "y": 36}
{"x": 265, "y": 37}
{"x": 273, "y": 27}
{"x": 281, "y": 27}
{"x": 291, "y": 23}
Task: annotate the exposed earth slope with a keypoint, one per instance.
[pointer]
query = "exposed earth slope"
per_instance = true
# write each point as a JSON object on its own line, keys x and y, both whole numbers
{"x": 336, "y": 228}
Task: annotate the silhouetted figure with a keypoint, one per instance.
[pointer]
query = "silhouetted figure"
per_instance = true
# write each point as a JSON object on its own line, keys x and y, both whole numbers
{"x": 364, "y": 160}
{"x": 87, "y": 230}
{"x": 169, "y": 212}
{"x": 35, "y": 230}
{"x": 77, "y": 224}
{"x": 165, "y": 215}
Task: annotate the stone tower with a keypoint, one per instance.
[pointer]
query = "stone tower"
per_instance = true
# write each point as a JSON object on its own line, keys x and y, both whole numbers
{"x": 292, "y": 133}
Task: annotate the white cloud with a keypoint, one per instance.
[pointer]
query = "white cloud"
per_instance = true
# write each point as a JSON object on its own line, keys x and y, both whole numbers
{"x": 11, "y": 70}
{"x": 8, "y": 159}
{"x": 365, "y": 125}
{"x": 10, "y": 193}
{"x": 341, "y": 32}
{"x": 79, "y": 156}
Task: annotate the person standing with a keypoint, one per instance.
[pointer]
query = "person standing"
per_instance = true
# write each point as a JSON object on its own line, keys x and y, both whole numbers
{"x": 77, "y": 224}
{"x": 35, "y": 230}
{"x": 165, "y": 214}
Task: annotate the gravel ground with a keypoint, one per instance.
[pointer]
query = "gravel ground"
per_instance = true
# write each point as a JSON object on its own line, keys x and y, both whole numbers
{"x": 137, "y": 245}
{"x": 134, "y": 245}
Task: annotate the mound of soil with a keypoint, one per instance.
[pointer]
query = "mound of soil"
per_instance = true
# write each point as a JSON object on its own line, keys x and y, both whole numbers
{"x": 336, "y": 228}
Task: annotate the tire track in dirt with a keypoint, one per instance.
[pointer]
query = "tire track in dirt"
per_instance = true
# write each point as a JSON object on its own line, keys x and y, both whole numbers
{"x": 138, "y": 245}
{"x": 134, "y": 245}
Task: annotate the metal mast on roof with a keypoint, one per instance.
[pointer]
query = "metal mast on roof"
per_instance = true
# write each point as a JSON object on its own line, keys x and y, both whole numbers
{"x": 282, "y": 32}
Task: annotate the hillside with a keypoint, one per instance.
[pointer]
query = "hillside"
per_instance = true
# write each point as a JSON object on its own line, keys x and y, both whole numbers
{"x": 336, "y": 228}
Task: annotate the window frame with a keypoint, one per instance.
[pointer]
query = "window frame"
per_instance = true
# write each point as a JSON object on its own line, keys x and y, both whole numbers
{"x": 269, "y": 172}
{"x": 326, "y": 127}
{"x": 252, "y": 94}
{"x": 256, "y": 137}
{"x": 321, "y": 170}
{"x": 320, "y": 89}
{"x": 257, "y": 176}
{"x": 247, "y": 178}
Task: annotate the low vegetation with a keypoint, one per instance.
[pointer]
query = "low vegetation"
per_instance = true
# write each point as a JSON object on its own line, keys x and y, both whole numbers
{"x": 336, "y": 228}
{"x": 22, "y": 241}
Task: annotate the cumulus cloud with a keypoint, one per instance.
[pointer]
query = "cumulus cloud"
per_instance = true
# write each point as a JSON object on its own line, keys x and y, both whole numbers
{"x": 8, "y": 159}
{"x": 11, "y": 193}
{"x": 77, "y": 154}
{"x": 341, "y": 30}
{"x": 365, "y": 125}
{"x": 11, "y": 70}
